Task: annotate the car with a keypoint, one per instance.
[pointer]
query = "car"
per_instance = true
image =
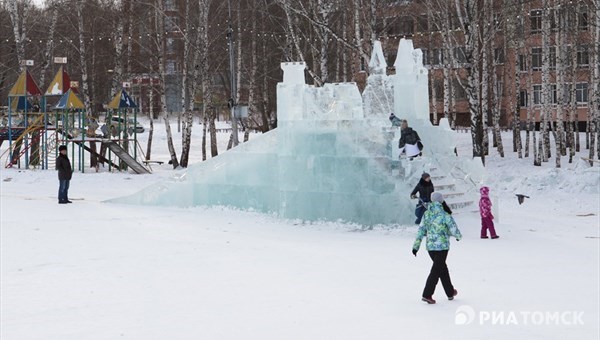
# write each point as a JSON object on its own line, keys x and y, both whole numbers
{"x": 116, "y": 121}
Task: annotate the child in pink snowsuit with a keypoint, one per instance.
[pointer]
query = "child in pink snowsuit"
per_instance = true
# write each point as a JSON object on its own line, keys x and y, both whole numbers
{"x": 485, "y": 210}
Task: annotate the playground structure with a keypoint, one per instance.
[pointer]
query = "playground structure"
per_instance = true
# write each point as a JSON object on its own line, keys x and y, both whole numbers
{"x": 37, "y": 123}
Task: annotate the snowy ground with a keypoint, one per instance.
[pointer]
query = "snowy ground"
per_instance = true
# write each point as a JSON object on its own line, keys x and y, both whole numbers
{"x": 92, "y": 270}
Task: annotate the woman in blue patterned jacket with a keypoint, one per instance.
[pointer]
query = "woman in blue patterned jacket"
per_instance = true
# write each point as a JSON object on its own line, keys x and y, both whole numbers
{"x": 437, "y": 226}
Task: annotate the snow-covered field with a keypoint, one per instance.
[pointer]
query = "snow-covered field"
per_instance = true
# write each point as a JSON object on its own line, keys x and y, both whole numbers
{"x": 93, "y": 270}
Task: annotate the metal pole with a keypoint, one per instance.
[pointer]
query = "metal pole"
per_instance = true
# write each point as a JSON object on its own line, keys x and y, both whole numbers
{"x": 44, "y": 160}
{"x": 25, "y": 138}
{"x": 72, "y": 139}
{"x": 82, "y": 147}
{"x": 10, "y": 127}
{"x": 135, "y": 133}
{"x": 232, "y": 101}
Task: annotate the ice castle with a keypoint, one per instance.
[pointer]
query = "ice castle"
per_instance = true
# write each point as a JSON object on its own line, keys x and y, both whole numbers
{"x": 334, "y": 155}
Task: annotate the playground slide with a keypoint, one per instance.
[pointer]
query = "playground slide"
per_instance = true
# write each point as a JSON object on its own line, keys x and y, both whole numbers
{"x": 126, "y": 157}
{"x": 117, "y": 150}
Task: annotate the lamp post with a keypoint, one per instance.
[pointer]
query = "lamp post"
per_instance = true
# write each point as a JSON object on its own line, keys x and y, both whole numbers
{"x": 232, "y": 100}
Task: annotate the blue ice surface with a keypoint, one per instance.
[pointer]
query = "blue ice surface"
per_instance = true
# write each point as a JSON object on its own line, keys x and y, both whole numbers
{"x": 299, "y": 171}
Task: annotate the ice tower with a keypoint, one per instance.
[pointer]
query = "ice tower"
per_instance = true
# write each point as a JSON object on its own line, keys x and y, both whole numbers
{"x": 332, "y": 156}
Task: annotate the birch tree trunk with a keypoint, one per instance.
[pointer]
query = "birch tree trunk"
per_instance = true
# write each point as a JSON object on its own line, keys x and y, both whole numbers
{"x": 546, "y": 94}
{"x": 559, "y": 46}
{"x": 596, "y": 81}
{"x": 18, "y": 20}
{"x": 574, "y": 116}
{"x": 85, "y": 86}
{"x": 117, "y": 75}
{"x": 515, "y": 41}
{"x": 209, "y": 111}
{"x": 188, "y": 114}
{"x": 594, "y": 100}
{"x": 467, "y": 12}
{"x": 151, "y": 129}
{"x": 342, "y": 50}
{"x": 324, "y": 8}
{"x": 517, "y": 141}
{"x": 252, "y": 88}
{"x": 174, "y": 160}
{"x": 357, "y": 26}
{"x": 447, "y": 94}
{"x": 238, "y": 73}
{"x": 485, "y": 75}
{"x": 49, "y": 50}
{"x": 496, "y": 109}
{"x": 530, "y": 125}
{"x": 159, "y": 22}
{"x": 204, "y": 129}
{"x": 266, "y": 124}
{"x": 292, "y": 32}
{"x": 540, "y": 150}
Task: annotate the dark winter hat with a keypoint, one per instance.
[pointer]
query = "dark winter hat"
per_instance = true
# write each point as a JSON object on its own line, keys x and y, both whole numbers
{"x": 425, "y": 175}
{"x": 62, "y": 147}
{"x": 437, "y": 197}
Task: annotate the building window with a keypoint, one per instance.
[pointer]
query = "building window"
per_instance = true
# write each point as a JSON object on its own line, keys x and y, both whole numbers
{"x": 169, "y": 5}
{"x": 537, "y": 94}
{"x": 391, "y": 59}
{"x": 567, "y": 93}
{"x": 499, "y": 55}
{"x": 438, "y": 57}
{"x": 171, "y": 24}
{"x": 170, "y": 44}
{"x": 459, "y": 55}
{"x": 439, "y": 90}
{"x": 425, "y": 56}
{"x": 552, "y": 17}
{"x": 522, "y": 63}
{"x": 536, "y": 20}
{"x": 582, "y": 19}
{"x": 520, "y": 29}
{"x": 459, "y": 90}
{"x": 499, "y": 89}
{"x": 454, "y": 21}
{"x": 552, "y": 56}
{"x": 553, "y": 94}
{"x": 407, "y": 26}
{"x": 581, "y": 94}
{"x": 422, "y": 24}
{"x": 583, "y": 57}
{"x": 536, "y": 58}
{"x": 170, "y": 67}
{"x": 523, "y": 98}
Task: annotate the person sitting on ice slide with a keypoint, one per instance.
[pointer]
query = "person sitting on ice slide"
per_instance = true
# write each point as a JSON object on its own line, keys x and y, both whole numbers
{"x": 410, "y": 142}
{"x": 437, "y": 226}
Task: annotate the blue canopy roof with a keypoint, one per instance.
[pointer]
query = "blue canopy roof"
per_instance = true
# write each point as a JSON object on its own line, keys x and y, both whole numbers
{"x": 122, "y": 101}
{"x": 20, "y": 104}
{"x": 69, "y": 101}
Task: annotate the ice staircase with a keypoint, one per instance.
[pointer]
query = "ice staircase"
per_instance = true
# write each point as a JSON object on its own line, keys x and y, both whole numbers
{"x": 460, "y": 192}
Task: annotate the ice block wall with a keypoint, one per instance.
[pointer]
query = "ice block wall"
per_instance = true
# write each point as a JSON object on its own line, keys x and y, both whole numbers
{"x": 331, "y": 157}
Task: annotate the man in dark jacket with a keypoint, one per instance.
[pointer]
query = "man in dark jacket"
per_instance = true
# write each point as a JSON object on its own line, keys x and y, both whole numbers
{"x": 424, "y": 188}
{"x": 63, "y": 165}
{"x": 410, "y": 142}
